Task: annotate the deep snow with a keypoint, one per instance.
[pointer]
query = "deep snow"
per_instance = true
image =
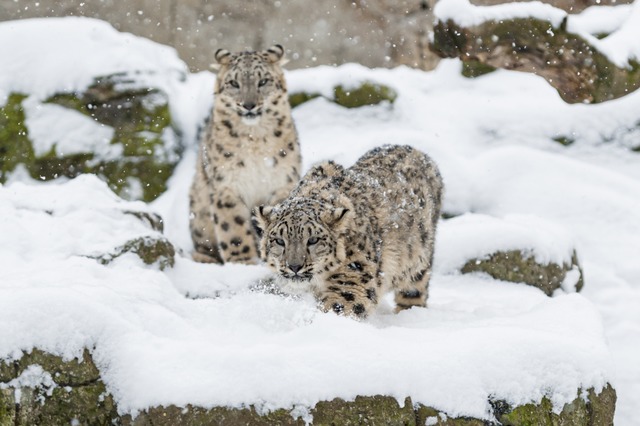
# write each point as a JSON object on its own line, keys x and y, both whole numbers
{"x": 225, "y": 344}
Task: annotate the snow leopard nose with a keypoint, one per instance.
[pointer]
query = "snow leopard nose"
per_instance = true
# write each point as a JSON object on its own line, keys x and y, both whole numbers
{"x": 249, "y": 105}
{"x": 295, "y": 268}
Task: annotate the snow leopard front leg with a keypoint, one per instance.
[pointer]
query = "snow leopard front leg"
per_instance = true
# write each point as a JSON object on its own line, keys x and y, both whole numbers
{"x": 201, "y": 217}
{"x": 352, "y": 290}
{"x": 233, "y": 229}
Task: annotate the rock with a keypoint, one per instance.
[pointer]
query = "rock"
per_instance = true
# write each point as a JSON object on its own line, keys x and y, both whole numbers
{"x": 147, "y": 146}
{"x": 596, "y": 409}
{"x": 516, "y": 248}
{"x": 196, "y": 416}
{"x": 299, "y": 98}
{"x": 70, "y": 391}
{"x": 569, "y": 63}
{"x": 515, "y": 266}
{"x": 73, "y": 390}
{"x": 367, "y": 93}
{"x": 382, "y": 410}
{"x": 152, "y": 251}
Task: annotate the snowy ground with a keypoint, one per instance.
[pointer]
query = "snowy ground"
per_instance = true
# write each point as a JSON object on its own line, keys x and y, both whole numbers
{"x": 479, "y": 338}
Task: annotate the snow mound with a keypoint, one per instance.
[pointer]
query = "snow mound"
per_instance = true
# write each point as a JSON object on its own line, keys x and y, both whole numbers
{"x": 154, "y": 346}
{"x": 66, "y": 48}
{"x": 476, "y": 236}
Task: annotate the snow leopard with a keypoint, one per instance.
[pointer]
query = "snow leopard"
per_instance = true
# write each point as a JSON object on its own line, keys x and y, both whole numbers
{"x": 350, "y": 235}
{"x": 249, "y": 155}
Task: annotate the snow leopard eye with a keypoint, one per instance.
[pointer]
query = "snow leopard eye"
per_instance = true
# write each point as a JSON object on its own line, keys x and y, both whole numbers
{"x": 313, "y": 240}
{"x": 263, "y": 82}
{"x": 234, "y": 84}
{"x": 280, "y": 242}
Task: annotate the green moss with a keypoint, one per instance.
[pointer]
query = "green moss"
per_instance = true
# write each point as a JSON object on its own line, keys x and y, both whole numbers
{"x": 564, "y": 140}
{"x": 516, "y": 267}
{"x": 152, "y": 251}
{"x": 196, "y": 416}
{"x": 77, "y": 394}
{"x": 299, "y": 98}
{"x": 151, "y": 175}
{"x": 448, "y": 42}
{"x": 15, "y": 147}
{"x": 140, "y": 119}
{"x": 7, "y": 407}
{"x": 72, "y": 373}
{"x": 87, "y": 404}
{"x": 568, "y": 62}
{"x": 473, "y": 69}
{"x": 366, "y": 94}
{"x": 528, "y": 415}
{"x": 378, "y": 410}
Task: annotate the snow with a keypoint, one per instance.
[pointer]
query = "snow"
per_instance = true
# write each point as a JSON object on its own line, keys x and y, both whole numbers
{"x": 215, "y": 335}
{"x": 70, "y": 65}
{"x": 71, "y": 131}
{"x": 465, "y": 14}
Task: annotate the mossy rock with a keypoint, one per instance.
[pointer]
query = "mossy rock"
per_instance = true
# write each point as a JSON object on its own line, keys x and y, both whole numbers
{"x": 564, "y": 140}
{"x": 197, "y": 416}
{"x": 142, "y": 127}
{"x": 473, "y": 69}
{"x": 368, "y": 93}
{"x": 76, "y": 372}
{"x": 15, "y": 146}
{"x": 299, "y": 98}
{"x": 595, "y": 409}
{"x": 152, "y": 251}
{"x": 514, "y": 266}
{"x": 7, "y": 407}
{"x": 569, "y": 63}
{"x": 77, "y": 394}
{"x": 377, "y": 410}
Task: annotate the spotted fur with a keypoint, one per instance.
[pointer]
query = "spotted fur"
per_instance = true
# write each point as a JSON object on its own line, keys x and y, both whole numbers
{"x": 249, "y": 155}
{"x": 352, "y": 235}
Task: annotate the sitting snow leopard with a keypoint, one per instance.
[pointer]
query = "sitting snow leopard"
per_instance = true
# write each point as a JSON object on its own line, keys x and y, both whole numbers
{"x": 249, "y": 155}
{"x": 351, "y": 235}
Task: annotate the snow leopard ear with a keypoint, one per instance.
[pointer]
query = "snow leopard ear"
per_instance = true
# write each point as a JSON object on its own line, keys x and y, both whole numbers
{"x": 223, "y": 56}
{"x": 338, "y": 218}
{"x": 276, "y": 54}
{"x": 260, "y": 219}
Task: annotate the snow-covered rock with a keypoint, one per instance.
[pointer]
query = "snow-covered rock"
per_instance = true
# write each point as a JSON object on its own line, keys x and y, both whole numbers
{"x": 516, "y": 248}
{"x": 99, "y": 102}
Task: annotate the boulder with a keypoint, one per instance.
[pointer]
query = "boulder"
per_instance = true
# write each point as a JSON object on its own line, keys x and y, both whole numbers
{"x": 43, "y": 389}
{"x": 152, "y": 250}
{"x": 132, "y": 145}
{"x": 367, "y": 93}
{"x": 521, "y": 267}
{"x": 571, "y": 64}
{"x": 515, "y": 248}
{"x": 40, "y": 388}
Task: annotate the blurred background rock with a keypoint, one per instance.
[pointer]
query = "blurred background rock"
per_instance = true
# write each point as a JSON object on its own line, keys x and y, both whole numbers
{"x": 375, "y": 33}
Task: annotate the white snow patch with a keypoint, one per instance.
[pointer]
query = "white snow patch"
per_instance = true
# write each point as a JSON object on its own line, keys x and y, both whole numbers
{"x": 53, "y": 127}
{"x": 465, "y": 14}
